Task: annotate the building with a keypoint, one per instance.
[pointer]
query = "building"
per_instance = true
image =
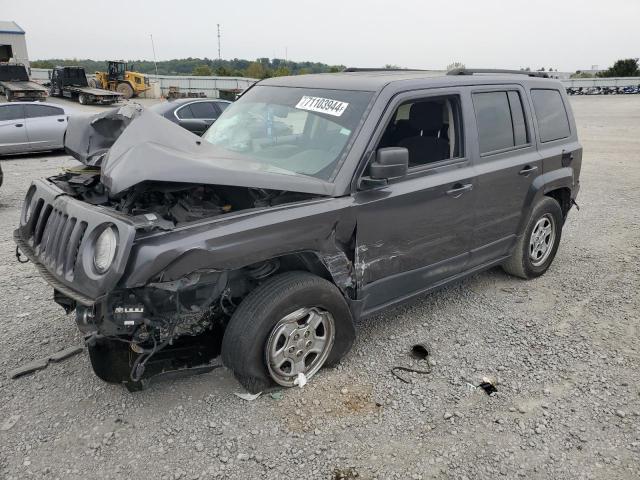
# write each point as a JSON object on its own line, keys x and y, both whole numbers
{"x": 13, "y": 36}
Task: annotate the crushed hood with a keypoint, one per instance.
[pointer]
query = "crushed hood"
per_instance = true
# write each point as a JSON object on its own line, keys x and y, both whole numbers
{"x": 134, "y": 145}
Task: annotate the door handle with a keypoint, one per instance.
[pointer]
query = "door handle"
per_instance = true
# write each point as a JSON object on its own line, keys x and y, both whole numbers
{"x": 61, "y": 119}
{"x": 458, "y": 189}
{"x": 527, "y": 170}
{"x": 19, "y": 125}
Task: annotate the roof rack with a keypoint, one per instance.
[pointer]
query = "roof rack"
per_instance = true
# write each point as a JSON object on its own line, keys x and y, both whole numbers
{"x": 472, "y": 71}
{"x": 358, "y": 69}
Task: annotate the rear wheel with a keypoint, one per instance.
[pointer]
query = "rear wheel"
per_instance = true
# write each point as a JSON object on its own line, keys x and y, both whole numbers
{"x": 537, "y": 247}
{"x": 125, "y": 89}
{"x": 83, "y": 99}
{"x": 94, "y": 83}
{"x": 294, "y": 323}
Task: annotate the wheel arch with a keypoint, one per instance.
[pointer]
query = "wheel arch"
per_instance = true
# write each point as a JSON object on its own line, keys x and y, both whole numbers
{"x": 563, "y": 196}
{"x": 556, "y": 184}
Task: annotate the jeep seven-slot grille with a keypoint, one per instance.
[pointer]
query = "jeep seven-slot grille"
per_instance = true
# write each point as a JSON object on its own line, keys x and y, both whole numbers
{"x": 55, "y": 237}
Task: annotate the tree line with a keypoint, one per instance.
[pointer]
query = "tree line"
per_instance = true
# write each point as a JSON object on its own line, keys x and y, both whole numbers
{"x": 260, "y": 68}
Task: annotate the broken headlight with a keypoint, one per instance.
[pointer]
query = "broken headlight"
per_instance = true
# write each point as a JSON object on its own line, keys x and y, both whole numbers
{"x": 105, "y": 249}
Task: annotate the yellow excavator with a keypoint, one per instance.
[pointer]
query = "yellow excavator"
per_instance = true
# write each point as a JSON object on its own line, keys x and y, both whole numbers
{"x": 119, "y": 79}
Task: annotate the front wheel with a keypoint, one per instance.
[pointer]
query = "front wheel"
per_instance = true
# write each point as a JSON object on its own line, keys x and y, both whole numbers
{"x": 125, "y": 89}
{"x": 536, "y": 248}
{"x": 294, "y": 323}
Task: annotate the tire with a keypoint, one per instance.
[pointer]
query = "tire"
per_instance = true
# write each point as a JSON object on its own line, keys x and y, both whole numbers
{"x": 258, "y": 322}
{"x": 82, "y": 99}
{"x": 94, "y": 83}
{"x": 125, "y": 89}
{"x": 528, "y": 261}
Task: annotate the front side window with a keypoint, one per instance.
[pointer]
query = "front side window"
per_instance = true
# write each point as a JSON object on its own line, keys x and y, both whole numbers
{"x": 430, "y": 128}
{"x": 291, "y": 130}
{"x": 500, "y": 120}
{"x": 553, "y": 122}
{"x": 33, "y": 111}
{"x": 11, "y": 112}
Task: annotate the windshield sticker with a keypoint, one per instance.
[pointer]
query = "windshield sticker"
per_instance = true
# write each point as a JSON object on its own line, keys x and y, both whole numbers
{"x": 322, "y": 105}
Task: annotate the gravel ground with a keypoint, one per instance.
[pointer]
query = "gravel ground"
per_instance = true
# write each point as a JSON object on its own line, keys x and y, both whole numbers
{"x": 563, "y": 347}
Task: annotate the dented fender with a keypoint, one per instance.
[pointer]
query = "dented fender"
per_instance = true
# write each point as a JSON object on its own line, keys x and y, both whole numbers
{"x": 323, "y": 227}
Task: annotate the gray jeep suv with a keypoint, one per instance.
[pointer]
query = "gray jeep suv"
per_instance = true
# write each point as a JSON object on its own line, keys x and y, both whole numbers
{"x": 262, "y": 245}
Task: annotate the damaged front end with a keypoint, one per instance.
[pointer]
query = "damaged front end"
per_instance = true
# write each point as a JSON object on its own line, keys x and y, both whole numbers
{"x": 175, "y": 268}
{"x": 138, "y": 333}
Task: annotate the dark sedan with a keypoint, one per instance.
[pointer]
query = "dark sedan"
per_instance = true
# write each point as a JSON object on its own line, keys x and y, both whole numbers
{"x": 194, "y": 114}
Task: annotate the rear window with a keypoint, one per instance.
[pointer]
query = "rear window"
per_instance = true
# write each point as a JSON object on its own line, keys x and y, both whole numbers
{"x": 553, "y": 122}
{"x": 33, "y": 111}
{"x": 500, "y": 119}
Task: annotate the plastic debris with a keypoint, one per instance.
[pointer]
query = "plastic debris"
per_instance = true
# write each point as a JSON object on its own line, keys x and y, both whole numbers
{"x": 276, "y": 395}
{"x": 42, "y": 363}
{"x": 249, "y": 397}
{"x": 301, "y": 380}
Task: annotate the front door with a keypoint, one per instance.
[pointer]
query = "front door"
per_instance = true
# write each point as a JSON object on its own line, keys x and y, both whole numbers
{"x": 415, "y": 232}
{"x": 46, "y": 125}
{"x": 13, "y": 132}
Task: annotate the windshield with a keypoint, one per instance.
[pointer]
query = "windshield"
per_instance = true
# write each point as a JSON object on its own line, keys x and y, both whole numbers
{"x": 301, "y": 130}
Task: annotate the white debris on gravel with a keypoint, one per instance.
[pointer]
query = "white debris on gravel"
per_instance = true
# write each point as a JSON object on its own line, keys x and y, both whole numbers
{"x": 563, "y": 349}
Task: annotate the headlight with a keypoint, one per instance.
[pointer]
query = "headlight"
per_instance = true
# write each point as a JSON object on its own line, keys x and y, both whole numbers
{"x": 105, "y": 249}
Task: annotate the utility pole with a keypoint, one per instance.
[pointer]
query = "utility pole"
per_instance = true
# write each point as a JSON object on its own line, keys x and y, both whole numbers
{"x": 219, "y": 57}
{"x": 153, "y": 47}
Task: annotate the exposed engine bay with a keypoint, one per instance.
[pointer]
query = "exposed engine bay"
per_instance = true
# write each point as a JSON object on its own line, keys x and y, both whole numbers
{"x": 174, "y": 202}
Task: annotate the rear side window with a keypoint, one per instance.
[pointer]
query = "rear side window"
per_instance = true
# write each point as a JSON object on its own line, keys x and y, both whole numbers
{"x": 222, "y": 106}
{"x": 553, "y": 123}
{"x": 11, "y": 112}
{"x": 184, "y": 112}
{"x": 203, "y": 110}
{"x": 33, "y": 111}
{"x": 500, "y": 119}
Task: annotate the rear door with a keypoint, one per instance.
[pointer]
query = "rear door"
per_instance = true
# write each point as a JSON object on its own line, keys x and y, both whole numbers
{"x": 46, "y": 125}
{"x": 506, "y": 164}
{"x": 13, "y": 132}
{"x": 557, "y": 139}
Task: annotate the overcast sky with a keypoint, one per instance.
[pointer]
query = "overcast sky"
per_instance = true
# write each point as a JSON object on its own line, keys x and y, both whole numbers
{"x": 563, "y": 34}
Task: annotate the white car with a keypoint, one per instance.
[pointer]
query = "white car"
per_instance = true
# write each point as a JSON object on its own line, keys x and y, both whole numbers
{"x": 32, "y": 127}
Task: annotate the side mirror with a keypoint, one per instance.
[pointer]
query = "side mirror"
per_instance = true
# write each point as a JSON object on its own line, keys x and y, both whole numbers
{"x": 390, "y": 162}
